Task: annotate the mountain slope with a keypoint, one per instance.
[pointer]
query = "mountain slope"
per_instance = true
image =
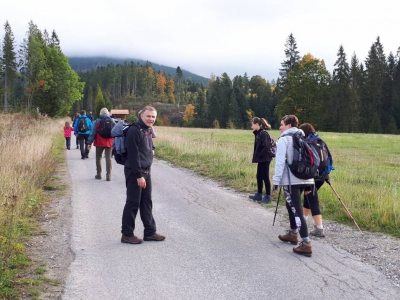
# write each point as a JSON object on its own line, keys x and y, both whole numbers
{"x": 87, "y": 63}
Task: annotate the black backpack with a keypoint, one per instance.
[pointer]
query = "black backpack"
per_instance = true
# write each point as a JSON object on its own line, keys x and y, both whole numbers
{"x": 82, "y": 125}
{"x": 106, "y": 125}
{"x": 325, "y": 156}
{"x": 306, "y": 160}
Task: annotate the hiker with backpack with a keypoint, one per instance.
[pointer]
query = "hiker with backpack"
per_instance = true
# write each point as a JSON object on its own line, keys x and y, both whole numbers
{"x": 100, "y": 135}
{"x": 82, "y": 129}
{"x": 311, "y": 203}
{"x": 262, "y": 155}
{"x": 292, "y": 186}
{"x": 139, "y": 149}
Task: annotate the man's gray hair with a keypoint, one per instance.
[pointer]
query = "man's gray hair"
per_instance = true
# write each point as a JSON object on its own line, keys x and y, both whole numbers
{"x": 150, "y": 108}
{"x": 104, "y": 111}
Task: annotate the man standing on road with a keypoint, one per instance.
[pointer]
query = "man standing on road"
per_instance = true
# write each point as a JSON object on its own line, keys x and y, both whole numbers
{"x": 139, "y": 146}
{"x": 82, "y": 129}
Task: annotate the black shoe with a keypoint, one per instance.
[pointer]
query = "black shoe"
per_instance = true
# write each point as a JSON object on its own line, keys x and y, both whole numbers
{"x": 87, "y": 156}
{"x": 82, "y": 157}
{"x": 97, "y": 177}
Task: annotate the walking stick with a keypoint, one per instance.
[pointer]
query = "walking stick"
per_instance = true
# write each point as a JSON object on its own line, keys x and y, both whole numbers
{"x": 277, "y": 203}
{"x": 346, "y": 209}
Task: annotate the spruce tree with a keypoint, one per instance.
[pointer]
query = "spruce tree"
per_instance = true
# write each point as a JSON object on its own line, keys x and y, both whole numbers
{"x": 396, "y": 87}
{"x": 292, "y": 58}
{"x": 8, "y": 65}
{"x": 337, "y": 111}
{"x": 356, "y": 92}
{"x": 375, "y": 72}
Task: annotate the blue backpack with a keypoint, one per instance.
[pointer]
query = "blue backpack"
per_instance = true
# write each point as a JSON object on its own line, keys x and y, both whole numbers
{"x": 325, "y": 156}
{"x": 119, "y": 150}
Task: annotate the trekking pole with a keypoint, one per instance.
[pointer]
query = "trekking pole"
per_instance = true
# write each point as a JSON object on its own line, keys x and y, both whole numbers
{"x": 277, "y": 203}
{"x": 346, "y": 209}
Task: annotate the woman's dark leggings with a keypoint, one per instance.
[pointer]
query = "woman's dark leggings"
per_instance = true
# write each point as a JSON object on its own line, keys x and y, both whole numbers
{"x": 263, "y": 177}
{"x": 311, "y": 200}
{"x": 293, "y": 205}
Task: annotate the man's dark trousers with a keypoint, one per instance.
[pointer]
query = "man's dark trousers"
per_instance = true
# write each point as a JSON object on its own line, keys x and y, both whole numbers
{"x": 83, "y": 138}
{"x": 138, "y": 199}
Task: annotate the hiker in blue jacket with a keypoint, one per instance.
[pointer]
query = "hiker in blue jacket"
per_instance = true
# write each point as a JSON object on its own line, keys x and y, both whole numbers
{"x": 311, "y": 202}
{"x": 82, "y": 128}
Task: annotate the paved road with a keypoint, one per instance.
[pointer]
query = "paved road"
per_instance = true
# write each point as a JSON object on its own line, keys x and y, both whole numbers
{"x": 219, "y": 245}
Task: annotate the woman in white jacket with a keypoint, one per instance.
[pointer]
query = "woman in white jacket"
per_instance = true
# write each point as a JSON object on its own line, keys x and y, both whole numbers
{"x": 292, "y": 187}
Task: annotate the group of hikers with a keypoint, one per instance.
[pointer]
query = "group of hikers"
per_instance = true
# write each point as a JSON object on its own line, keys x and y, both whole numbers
{"x": 138, "y": 143}
{"x": 284, "y": 178}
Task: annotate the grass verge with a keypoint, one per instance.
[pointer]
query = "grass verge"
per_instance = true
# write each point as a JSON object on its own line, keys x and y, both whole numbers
{"x": 30, "y": 148}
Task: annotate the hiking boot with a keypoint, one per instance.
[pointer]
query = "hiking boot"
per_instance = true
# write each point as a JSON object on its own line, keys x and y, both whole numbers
{"x": 290, "y": 236}
{"x": 131, "y": 239}
{"x": 256, "y": 197}
{"x": 266, "y": 199}
{"x": 317, "y": 232}
{"x": 97, "y": 177}
{"x": 155, "y": 237}
{"x": 303, "y": 249}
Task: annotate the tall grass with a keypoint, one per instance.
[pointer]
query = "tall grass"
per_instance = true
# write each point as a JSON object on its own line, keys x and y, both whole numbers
{"x": 26, "y": 164}
{"x": 367, "y": 172}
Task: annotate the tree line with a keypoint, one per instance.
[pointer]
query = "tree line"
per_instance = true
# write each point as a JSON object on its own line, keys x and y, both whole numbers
{"x": 357, "y": 97}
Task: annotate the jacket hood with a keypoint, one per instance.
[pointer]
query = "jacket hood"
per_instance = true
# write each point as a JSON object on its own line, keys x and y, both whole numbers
{"x": 291, "y": 131}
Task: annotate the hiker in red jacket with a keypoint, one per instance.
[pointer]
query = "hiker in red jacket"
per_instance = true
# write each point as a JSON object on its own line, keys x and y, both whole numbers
{"x": 102, "y": 141}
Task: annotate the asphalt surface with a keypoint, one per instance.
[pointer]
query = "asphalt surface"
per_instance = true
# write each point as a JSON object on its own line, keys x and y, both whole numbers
{"x": 219, "y": 245}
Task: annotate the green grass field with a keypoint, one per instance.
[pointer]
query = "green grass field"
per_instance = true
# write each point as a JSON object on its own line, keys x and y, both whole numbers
{"x": 367, "y": 171}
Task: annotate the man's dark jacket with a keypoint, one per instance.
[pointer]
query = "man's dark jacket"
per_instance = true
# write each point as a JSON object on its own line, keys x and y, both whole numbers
{"x": 139, "y": 145}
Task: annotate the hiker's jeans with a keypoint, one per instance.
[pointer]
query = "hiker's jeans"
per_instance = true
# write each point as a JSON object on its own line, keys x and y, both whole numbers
{"x": 83, "y": 138}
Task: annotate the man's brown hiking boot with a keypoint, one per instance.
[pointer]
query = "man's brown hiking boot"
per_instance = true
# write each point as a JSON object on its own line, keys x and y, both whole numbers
{"x": 131, "y": 239}
{"x": 155, "y": 237}
{"x": 303, "y": 249}
{"x": 290, "y": 236}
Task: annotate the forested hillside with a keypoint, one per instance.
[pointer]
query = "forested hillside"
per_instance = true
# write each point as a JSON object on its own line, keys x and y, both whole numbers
{"x": 88, "y": 63}
{"x": 359, "y": 96}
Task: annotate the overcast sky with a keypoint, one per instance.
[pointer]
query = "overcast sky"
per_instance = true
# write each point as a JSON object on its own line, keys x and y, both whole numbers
{"x": 211, "y": 36}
